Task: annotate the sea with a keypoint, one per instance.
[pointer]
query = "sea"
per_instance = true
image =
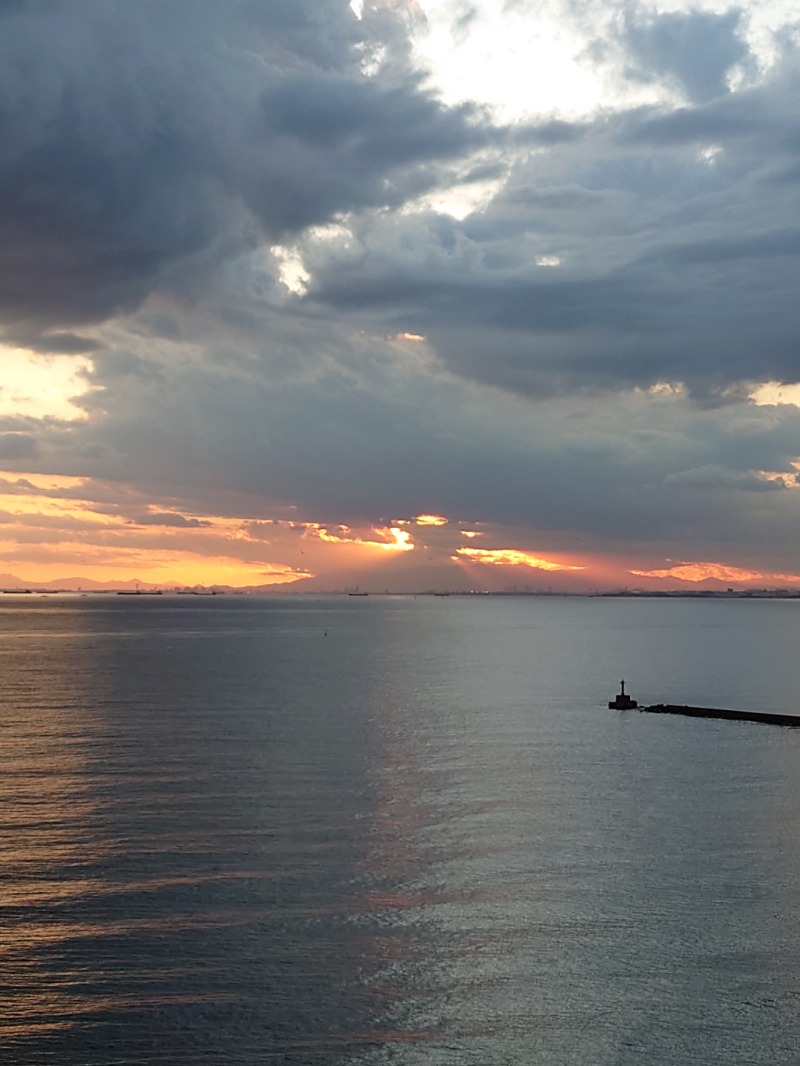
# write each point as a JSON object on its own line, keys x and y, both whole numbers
{"x": 397, "y": 830}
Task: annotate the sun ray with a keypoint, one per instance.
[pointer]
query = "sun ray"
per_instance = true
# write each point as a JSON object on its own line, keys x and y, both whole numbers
{"x": 512, "y": 557}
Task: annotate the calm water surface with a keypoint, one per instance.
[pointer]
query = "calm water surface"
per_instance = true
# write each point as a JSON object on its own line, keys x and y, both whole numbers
{"x": 395, "y": 830}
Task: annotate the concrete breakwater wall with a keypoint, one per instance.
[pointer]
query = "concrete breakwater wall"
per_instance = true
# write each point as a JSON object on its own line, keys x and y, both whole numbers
{"x": 766, "y": 717}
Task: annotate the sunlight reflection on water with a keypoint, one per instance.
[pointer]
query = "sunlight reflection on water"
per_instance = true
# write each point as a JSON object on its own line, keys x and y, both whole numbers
{"x": 395, "y": 830}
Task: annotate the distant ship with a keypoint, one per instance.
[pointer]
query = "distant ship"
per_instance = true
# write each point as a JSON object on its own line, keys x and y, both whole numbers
{"x": 140, "y": 592}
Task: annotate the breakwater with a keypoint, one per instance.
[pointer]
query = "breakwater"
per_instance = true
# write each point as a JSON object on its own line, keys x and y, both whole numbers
{"x": 766, "y": 717}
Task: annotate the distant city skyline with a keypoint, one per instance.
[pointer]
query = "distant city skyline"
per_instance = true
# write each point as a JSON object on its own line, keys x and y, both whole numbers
{"x": 400, "y": 294}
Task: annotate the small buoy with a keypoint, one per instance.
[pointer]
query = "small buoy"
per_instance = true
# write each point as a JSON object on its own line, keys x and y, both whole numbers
{"x": 623, "y": 702}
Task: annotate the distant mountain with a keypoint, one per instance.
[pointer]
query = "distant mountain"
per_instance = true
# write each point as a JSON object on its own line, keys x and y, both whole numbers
{"x": 400, "y": 578}
{"x": 69, "y": 584}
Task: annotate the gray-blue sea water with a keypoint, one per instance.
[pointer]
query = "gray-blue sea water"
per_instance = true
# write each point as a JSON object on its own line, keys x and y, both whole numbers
{"x": 403, "y": 831}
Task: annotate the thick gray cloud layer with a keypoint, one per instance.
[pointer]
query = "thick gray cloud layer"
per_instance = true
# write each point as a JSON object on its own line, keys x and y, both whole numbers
{"x": 676, "y": 242}
{"x": 144, "y": 143}
{"x": 592, "y": 329}
{"x": 698, "y": 49}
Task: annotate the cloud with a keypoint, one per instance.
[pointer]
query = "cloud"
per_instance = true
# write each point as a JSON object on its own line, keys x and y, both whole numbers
{"x": 160, "y": 139}
{"x": 372, "y": 430}
{"x": 697, "y": 49}
{"x": 15, "y": 446}
{"x": 309, "y": 292}
{"x": 177, "y": 521}
{"x": 720, "y": 477}
{"x": 511, "y": 557}
{"x": 56, "y": 343}
{"x": 671, "y": 239}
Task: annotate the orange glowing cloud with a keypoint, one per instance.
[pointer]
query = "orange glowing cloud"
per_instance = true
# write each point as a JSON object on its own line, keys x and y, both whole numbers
{"x": 697, "y": 572}
{"x": 511, "y": 557}
{"x": 400, "y": 540}
{"x": 156, "y": 565}
{"x": 54, "y": 527}
{"x": 395, "y": 539}
{"x": 430, "y": 520}
{"x": 470, "y": 533}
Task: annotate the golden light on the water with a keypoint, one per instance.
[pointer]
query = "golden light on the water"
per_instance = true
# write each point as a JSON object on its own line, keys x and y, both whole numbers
{"x": 511, "y": 557}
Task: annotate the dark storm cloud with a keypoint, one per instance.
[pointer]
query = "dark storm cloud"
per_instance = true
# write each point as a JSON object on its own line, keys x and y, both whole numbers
{"x": 176, "y": 521}
{"x": 14, "y": 446}
{"x": 341, "y": 145}
{"x": 696, "y": 49}
{"x": 160, "y": 141}
{"x": 143, "y": 143}
{"x": 652, "y": 245}
{"x": 783, "y": 242}
{"x": 57, "y": 343}
{"x": 505, "y": 303}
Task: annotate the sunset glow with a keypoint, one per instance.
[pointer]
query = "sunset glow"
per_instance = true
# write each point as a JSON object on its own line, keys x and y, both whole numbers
{"x": 435, "y": 276}
{"x": 396, "y": 539}
{"x": 41, "y": 387}
{"x": 773, "y": 392}
{"x": 512, "y": 557}
{"x": 72, "y": 528}
{"x": 400, "y": 542}
{"x": 697, "y": 572}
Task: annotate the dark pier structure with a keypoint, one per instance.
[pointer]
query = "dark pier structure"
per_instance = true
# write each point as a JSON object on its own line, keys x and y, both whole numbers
{"x": 622, "y": 702}
{"x": 720, "y": 712}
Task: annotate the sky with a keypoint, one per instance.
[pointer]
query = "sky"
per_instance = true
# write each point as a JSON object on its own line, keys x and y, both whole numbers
{"x": 400, "y": 294}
